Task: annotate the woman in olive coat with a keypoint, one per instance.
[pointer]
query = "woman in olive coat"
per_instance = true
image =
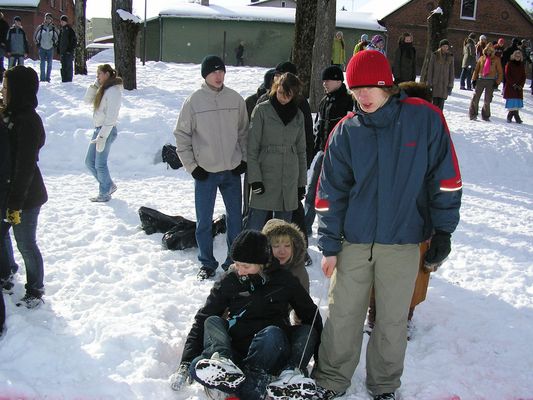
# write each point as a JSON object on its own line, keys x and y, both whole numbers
{"x": 277, "y": 169}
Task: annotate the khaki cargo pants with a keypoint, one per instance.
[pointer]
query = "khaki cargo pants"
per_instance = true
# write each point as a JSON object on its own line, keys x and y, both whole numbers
{"x": 392, "y": 271}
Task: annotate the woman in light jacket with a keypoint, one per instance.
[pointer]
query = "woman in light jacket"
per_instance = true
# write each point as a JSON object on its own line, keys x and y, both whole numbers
{"x": 277, "y": 169}
{"x": 105, "y": 96}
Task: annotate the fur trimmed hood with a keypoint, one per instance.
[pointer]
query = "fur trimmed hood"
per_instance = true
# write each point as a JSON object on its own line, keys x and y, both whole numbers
{"x": 278, "y": 227}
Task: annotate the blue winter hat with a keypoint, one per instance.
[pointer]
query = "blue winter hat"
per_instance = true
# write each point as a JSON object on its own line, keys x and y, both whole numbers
{"x": 211, "y": 64}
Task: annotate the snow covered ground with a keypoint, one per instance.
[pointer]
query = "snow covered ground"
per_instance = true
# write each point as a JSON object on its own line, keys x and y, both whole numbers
{"x": 118, "y": 307}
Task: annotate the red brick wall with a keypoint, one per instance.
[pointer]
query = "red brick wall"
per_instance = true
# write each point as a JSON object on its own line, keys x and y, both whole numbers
{"x": 33, "y": 17}
{"x": 494, "y": 19}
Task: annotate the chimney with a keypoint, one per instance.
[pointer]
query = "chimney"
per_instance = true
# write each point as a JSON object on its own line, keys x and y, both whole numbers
{"x": 204, "y": 3}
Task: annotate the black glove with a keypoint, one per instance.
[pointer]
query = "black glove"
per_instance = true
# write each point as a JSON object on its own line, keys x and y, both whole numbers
{"x": 258, "y": 188}
{"x": 301, "y": 193}
{"x": 200, "y": 174}
{"x": 439, "y": 249}
{"x": 240, "y": 169}
{"x": 495, "y": 85}
{"x": 450, "y": 91}
{"x": 474, "y": 84}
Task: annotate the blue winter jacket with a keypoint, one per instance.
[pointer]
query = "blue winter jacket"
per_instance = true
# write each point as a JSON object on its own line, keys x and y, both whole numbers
{"x": 389, "y": 177}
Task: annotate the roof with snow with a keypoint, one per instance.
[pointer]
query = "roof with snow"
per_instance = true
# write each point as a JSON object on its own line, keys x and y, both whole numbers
{"x": 19, "y": 3}
{"x": 345, "y": 19}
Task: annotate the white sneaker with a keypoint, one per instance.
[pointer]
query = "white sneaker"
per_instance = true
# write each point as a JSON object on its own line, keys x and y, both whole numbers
{"x": 219, "y": 373}
{"x": 291, "y": 385}
{"x": 101, "y": 198}
{"x": 112, "y": 189}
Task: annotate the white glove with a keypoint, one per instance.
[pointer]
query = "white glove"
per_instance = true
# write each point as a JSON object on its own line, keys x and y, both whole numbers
{"x": 101, "y": 139}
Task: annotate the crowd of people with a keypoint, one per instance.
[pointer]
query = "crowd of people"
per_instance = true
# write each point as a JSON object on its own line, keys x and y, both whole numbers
{"x": 385, "y": 183}
{"x": 47, "y": 37}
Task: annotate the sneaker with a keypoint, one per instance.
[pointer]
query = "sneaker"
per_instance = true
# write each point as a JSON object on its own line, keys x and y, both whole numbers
{"x": 219, "y": 373}
{"x": 327, "y": 394}
{"x": 101, "y": 198}
{"x": 112, "y": 189}
{"x": 385, "y": 396}
{"x": 292, "y": 384}
{"x": 205, "y": 273}
{"x": 30, "y": 301}
{"x": 180, "y": 377}
{"x": 308, "y": 260}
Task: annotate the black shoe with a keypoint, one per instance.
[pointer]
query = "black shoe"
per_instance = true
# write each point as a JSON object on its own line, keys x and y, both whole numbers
{"x": 509, "y": 116}
{"x": 517, "y": 117}
{"x": 205, "y": 273}
{"x": 385, "y": 396}
{"x": 308, "y": 260}
{"x": 30, "y": 301}
{"x": 486, "y": 119}
{"x": 327, "y": 394}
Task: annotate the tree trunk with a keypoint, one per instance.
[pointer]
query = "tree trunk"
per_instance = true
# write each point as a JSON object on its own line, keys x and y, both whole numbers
{"x": 304, "y": 37}
{"x": 80, "y": 58}
{"x": 324, "y": 32}
{"x": 125, "y": 36}
{"x": 437, "y": 30}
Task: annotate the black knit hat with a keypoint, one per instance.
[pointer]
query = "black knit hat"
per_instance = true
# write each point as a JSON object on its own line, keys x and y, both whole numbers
{"x": 64, "y": 18}
{"x": 17, "y": 18}
{"x": 444, "y": 42}
{"x": 332, "y": 73}
{"x": 48, "y": 15}
{"x": 212, "y": 64}
{"x": 251, "y": 247}
{"x": 268, "y": 78}
{"x": 286, "y": 66}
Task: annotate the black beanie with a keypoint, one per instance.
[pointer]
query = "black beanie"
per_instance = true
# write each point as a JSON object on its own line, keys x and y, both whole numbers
{"x": 332, "y": 73}
{"x": 444, "y": 42}
{"x": 268, "y": 78}
{"x": 212, "y": 64}
{"x": 251, "y": 247}
{"x": 64, "y": 18}
{"x": 286, "y": 66}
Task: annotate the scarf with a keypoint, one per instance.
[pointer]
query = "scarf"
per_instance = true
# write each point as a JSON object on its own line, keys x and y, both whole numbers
{"x": 285, "y": 112}
{"x": 486, "y": 67}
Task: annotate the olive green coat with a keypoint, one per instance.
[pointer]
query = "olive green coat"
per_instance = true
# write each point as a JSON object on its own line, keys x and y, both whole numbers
{"x": 276, "y": 157}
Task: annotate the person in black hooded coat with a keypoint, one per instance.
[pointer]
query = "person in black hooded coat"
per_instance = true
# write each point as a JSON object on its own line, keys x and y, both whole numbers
{"x": 244, "y": 318}
{"x": 404, "y": 66}
{"x": 27, "y": 192}
{"x": 5, "y": 168}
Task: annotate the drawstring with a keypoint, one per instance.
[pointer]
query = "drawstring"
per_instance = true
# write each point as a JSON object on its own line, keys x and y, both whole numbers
{"x": 371, "y": 249}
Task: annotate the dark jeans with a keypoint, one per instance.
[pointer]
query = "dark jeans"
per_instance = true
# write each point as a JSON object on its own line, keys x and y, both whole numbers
{"x": 25, "y": 236}
{"x": 309, "y": 206}
{"x": 8, "y": 265}
{"x": 466, "y": 74}
{"x": 205, "y": 193}
{"x": 2, "y": 68}
{"x": 66, "y": 67}
{"x": 439, "y": 102}
{"x": 270, "y": 352}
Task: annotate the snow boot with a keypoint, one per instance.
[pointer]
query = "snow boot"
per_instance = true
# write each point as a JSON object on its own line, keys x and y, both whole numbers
{"x": 292, "y": 384}
{"x": 219, "y": 373}
{"x": 510, "y": 116}
{"x": 517, "y": 117}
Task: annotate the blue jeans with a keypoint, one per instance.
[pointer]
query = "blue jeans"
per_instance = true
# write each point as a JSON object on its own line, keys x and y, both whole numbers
{"x": 205, "y": 193}
{"x": 16, "y": 60}
{"x": 2, "y": 68}
{"x": 66, "y": 67}
{"x": 261, "y": 361}
{"x": 466, "y": 74}
{"x": 96, "y": 161}
{"x": 46, "y": 57}
{"x": 257, "y": 218}
{"x": 309, "y": 203}
{"x": 25, "y": 236}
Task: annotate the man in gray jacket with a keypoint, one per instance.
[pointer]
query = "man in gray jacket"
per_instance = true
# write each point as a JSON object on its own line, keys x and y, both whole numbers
{"x": 211, "y": 143}
{"x": 45, "y": 37}
{"x": 16, "y": 43}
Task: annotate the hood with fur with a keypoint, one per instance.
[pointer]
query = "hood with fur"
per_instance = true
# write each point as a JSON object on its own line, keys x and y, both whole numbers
{"x": 277, "y": 227}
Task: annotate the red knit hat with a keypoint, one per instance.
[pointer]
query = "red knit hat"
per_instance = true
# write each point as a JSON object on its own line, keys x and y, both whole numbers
{"x": 369, "y": 68}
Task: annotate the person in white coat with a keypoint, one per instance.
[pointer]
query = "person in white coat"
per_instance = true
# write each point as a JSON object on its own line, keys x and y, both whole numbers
{"x": 105, "y": 95}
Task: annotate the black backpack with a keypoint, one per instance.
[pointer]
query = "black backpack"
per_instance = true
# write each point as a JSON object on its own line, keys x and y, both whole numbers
{"x": 170, "y": 156}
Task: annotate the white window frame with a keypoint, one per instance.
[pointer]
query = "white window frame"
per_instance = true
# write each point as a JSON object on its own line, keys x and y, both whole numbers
{"x": 472, "y": 18}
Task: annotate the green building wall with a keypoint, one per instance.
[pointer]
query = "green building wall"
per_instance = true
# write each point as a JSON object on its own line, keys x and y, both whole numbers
{"x": 190, "y": 39}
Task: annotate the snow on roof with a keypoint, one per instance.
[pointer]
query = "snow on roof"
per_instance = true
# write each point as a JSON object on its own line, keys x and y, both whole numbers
{"x": 19, "y": 3}
{"x": 345, "y": 19}
{"x": 127, "y": 16}
{"x": 381, "y": 8}
{"x": 102, "y": 38}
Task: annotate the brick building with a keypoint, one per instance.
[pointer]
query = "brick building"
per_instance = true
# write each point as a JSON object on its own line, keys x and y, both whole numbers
{"x": 493, "y": 18}
{"x": 32, "y": 13}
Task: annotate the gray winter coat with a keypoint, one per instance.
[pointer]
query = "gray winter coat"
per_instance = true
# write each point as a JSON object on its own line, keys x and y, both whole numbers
{"x": 469, "y": 55}
{"x": 440, "y": 74}
{"x": 46, "y": 36}
{"x": 276, "y": 157}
